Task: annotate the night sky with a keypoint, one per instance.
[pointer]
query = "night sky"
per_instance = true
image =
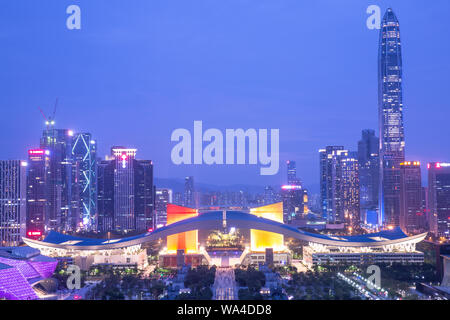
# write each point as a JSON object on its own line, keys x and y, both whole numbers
{"x": 139, "y": 69}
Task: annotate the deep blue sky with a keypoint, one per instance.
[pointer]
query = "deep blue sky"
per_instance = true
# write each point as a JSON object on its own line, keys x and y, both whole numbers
{"x": 139, "y": 69}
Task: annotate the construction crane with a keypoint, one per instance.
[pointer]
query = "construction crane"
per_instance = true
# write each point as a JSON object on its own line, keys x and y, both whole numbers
{"x": 50, "y": 120}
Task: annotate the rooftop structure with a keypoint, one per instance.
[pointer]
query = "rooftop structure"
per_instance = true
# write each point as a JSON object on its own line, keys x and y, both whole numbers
{"x": 20, "y": 269}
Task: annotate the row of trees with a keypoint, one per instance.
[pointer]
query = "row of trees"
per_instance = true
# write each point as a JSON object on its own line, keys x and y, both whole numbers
{"x": 199, "y": 280}
{"x": 252, "y": 280}
{"x": 319, "y": 286}
{"x": 118, "y": 286}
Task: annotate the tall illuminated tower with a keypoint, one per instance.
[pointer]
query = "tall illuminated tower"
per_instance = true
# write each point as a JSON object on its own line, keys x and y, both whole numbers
{"x": 390, "y": 113}
{"x": 439, "y": 199}
{"x": 38, "y": 204}
{"x": 124, "y": 195}
{"x": 84, "y": 182}
{"x": 57, "y": 143}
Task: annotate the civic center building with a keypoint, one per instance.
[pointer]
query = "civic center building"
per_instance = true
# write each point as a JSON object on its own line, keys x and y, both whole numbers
{"x": 264, "y": 243}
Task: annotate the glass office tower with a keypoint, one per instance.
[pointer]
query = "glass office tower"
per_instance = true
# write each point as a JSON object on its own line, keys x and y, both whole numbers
{"x": 392, "y": 137}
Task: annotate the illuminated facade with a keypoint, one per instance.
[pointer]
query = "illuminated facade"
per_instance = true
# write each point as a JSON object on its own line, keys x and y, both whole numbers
{"x": 390, "y": 244}
{"x": 126, "y": 194}
{"x": 295, "y": 202}
{"x": 124, "y": 213}
{"x": 350, "y": 190}
{"x": 339, "y": 185}
{"x": 260, "y": 240}
{"x": 84, "y": 182}
{"x": 439, "y": 199}
{"x": 12, "y": 202}
{"x": 70, "y": 180}
{"x": 187, "y": 241}
{"x": 412, "y": 217}
{"x": 20, "y": 269}
{"x": 328, "y": 182}
{"x": 98, "y": 252}
{"x": 162, "y": 198}
{"x": 390, "y": 112}
{"x": 37, "y": 192}
{"x": 58, "y": 144}
{"x": 316, "y": 255}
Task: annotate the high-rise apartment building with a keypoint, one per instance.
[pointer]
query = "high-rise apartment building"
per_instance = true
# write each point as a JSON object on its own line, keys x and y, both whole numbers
{"x": 350, "y": 188}
{"x": 12, "y": 202}
{"x": 327, "y": 169}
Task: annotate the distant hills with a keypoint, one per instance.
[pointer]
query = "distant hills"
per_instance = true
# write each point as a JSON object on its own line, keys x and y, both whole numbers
{"x": 177, "y": 185}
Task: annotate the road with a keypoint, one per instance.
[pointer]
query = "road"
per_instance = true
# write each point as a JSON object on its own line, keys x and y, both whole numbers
{"x": 224, "y": 287}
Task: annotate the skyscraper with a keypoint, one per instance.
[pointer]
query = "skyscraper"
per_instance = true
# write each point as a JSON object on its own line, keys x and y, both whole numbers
{"x": 105, "y": 195}
{"x": 84, "y": 182}
{"x": 292, "y": 173}
{"x": 58, "y": 144}
{"x": 12, "y": 202}
{"x": 439, "y": 199}
{"x": 350, "y": 187}
{"x": 37, "y": 192}
{"x": 126, "y": 194}
{"x": 368, "y": 148}
{"x": 144, "y": 193}
{"x": 326, "y": 179}
{"x": 390, "y": 111}
{"x": 189, "y": 197}
{"x": 411, "y": 206}
{"x": 124, "y": 213}
{"x": 269, "y": 195}
{"x": 295, "y": 197}
{"x": 339, "y": 185}
{"x": 163, "y": 197}
{"x": 295, "y": 202}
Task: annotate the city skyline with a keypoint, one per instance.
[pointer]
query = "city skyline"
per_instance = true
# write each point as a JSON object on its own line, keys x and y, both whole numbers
{"x": 236, "y": 150}
{"x": 345, "y": 119}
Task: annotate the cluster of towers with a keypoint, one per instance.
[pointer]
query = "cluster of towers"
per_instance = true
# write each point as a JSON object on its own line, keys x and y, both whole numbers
{"x": 64, "y": 186}
{"x": 376, "y": 185}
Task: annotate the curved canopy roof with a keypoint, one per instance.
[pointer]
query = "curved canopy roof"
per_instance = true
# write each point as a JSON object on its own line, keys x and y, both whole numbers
{"x": 214, "y": 220}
